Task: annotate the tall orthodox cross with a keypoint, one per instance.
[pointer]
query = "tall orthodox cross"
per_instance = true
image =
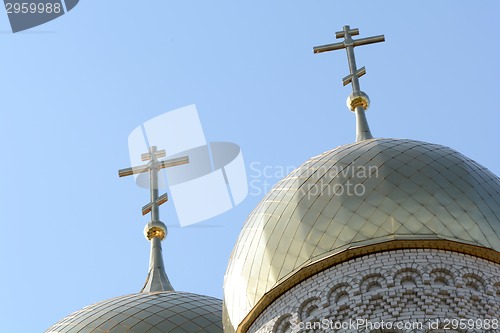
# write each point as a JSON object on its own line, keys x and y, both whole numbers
{"x": 358, "y": 101}
{"x": 155, "y": 231}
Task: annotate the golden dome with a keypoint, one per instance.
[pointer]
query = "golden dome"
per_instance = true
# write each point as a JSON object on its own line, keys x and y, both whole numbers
{"x": 360, "y": 196}
{"x": 159, "y": 312}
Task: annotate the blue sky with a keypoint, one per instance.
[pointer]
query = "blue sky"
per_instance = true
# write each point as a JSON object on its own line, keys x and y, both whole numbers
{"x": 74, "y": 88}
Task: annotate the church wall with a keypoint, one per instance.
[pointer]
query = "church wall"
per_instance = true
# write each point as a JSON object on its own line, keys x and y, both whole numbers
{"x": 412, "y": 290}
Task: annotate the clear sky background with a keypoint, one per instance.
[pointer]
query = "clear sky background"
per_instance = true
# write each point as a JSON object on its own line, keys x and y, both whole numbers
{"x": 74, "y": 88}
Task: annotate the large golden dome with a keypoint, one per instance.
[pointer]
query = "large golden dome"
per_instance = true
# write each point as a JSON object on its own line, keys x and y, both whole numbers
{"x": 369, "y": 196}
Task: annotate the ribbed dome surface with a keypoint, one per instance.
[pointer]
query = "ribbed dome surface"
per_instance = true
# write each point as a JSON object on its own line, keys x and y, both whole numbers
{"x": 159, "y": 312}
{"x": 355, "y": 195}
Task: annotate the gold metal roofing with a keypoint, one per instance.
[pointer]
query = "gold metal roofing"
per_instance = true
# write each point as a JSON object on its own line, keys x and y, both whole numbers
{"x": 160, "y": 312}
{"x": 355, "y": 195}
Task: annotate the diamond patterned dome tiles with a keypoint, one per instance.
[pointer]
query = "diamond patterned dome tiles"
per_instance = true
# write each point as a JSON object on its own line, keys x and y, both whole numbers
{"x": 360, "y": 194}
{"x": 160, "y": 312}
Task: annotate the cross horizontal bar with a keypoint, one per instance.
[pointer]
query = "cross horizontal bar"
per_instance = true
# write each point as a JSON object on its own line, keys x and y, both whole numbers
{"x": 158, "y": 154}
{"x": 174, "y": 162}
{"x": 133, "y": 170}
{"x": 342, "y": 45}
{"x": 359, "y": 73}
{"x": 352, "y": 32}
{"x": 160, "y": 201}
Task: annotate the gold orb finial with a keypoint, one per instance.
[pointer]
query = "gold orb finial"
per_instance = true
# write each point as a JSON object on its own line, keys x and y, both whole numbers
{"x": 155, "y": 229}
{"x": 358, "y": 99}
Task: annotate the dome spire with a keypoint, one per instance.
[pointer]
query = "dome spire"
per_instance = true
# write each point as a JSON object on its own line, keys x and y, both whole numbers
{"x": 155, "y": 231}
{"x": 358, "y": 101}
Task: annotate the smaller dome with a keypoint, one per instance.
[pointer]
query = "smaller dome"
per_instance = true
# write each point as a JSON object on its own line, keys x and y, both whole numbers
{"x": 159, "y": 312}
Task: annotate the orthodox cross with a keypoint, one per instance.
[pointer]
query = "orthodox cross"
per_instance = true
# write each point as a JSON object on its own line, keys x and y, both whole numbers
{"x": 358, "y": 101}
{"x": 153, "y": 167}
{"x": 155, "y": 231}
